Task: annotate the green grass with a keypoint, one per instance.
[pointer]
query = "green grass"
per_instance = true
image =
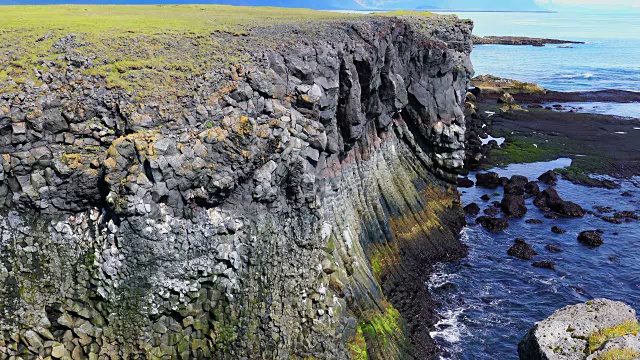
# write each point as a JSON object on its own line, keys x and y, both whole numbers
{"x": 619, "y": 354}
{"x": 149, "y": 50}
{"x": 600, "y": 337}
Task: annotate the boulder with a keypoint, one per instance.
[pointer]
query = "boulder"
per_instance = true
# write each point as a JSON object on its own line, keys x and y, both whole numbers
{"x": 549, "y": 200}
{"x": 564, "y": 335}
{"x": 472, "y": 209}
{"x": 522, "y": 250}
{"x": 532, "y": 188}
{"x": 465, "y": 182}
{"x": 591, "y": 238}
{"x": 549, "y": 178}
{"x": 489, "y": 180}
{"x": 506, "y": 98}
{"x": 493, "y": 224}
{"x": 545, "y": 265}
{"x": 553, "y": 248}
{"x": 534, "y": 221}
{"x": 558, "y": 230}
{"x": 513, "y": 205}
{"x": 485, "y": 197}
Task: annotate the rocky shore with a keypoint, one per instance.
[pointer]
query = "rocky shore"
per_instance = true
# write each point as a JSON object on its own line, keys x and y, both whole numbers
{"x": 598, "y": 144}
{"x": 284, "y": 205}
{"x": 519, "y": 40}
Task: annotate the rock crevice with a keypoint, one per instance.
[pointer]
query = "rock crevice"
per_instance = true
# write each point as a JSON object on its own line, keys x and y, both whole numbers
{"x": 291, "y": 212}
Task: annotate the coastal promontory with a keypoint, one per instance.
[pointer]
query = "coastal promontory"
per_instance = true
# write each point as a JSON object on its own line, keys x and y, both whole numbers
{"x": 223, "y": 182}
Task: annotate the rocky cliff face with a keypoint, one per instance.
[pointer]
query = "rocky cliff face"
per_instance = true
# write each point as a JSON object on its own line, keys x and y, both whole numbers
{"x": 291, "y": 209}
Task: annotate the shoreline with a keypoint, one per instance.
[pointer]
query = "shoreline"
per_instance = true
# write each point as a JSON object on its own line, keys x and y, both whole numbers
{"x": 598, "y": 144}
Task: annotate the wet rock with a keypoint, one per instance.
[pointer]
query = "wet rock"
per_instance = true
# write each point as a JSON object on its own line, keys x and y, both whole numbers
{"x": 564, "y": 334}
{"x": 552, "y": 216}
{"x": 553, "y": 248}
{"x": 522, "y": 250}
{"x": 465, "y": 182}
{"x": 490, "y": 180}
{"x": 492, "y": 211}
{"x": 549, "y": 178}
{"x": 534, "y": 221}
{"x": 513, "y": 205}
{"x": 558, "y": 230}
{"x": 518, "y": 180}
{"x": 513, "y": 189}
{"x": 545, "y": 264}
{"x": 504, "y": 180}
{"x": 532, "y": 188}
{"x": 493, "y": 224}
{"x": 485, "y": 197}
{"x": 627, "y": 194}
{"x": 591, "y": 238}
{"x": 472, "y": 209}
{"x": 549, "y": 200}
{"x": 506, "y": 98}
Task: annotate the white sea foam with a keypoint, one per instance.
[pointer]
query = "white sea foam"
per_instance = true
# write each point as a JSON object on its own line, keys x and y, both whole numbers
{"x": 500, "y": 141}
{"x": 449, "y": 328}
{"x": 621, "y": 132}
{"x": 576, "y": 76}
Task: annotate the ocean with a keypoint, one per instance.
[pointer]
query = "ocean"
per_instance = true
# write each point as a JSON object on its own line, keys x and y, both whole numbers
{"x": 489, "y": 300}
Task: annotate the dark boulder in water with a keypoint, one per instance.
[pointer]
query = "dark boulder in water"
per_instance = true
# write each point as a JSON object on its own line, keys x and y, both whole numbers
{"x": 489, "y": 180}
{"x": 549, "y": 178}
{"x": 493, "y": 224}
{"x": 522, "y": 250}
{"x": 513, "y": 189}
{"x": 545, "y": 265}
{"x": 549, "y": 200}
{"x": 534, "y": 221}
{"x": 472, "y": 209}
{"x": 465, "y": 182}
{"x": 504, "y": 181}
{"x": 492, "y": 211}
{"x": 558, "y": 230}
{"x": 553, "y": 248}
{"x": 532, "y": 188}
{"x": 513, "y": 205}
{"x": 485, "y": 197}
{"x": 518, "y": 180}
{"x": 590, "y": 238}
{"x": 627, "y": 194}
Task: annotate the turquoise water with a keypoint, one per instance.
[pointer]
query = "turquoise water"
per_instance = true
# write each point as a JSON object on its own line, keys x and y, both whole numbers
{"x": 610, "y": 59}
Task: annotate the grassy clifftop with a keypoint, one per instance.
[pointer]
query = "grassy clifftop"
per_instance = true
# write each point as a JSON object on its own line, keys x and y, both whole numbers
{"x": 151, "y": 51}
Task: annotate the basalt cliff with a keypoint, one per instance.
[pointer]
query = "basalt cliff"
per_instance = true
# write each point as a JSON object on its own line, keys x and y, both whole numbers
{"x": 285, "y": 207}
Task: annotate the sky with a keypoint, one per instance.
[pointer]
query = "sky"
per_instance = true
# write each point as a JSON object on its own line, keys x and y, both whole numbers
{"x": 590, "y": 3}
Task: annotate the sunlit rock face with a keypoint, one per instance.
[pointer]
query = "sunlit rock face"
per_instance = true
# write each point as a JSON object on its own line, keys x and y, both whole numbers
{"x": 292, "y": 213}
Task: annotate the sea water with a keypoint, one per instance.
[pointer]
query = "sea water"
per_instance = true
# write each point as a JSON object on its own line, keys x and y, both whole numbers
{"x": 489, "y": 299}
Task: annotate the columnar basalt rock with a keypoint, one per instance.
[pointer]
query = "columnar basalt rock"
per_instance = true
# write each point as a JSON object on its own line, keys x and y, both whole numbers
{"x": 290, "y": 213}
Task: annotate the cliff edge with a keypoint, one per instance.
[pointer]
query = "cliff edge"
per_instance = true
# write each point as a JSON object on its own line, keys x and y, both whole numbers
{"x": 282, "y": 202}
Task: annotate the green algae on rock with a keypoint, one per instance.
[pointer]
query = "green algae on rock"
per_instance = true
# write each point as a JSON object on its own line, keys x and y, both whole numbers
{"x": 283, "y": 205}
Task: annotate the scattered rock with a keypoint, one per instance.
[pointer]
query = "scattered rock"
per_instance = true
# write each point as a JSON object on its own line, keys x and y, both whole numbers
{"x": 522, "y": 250}
{"x": 485, "y": 197}
{"x": 513, "y": 205}
{"x": 534, "y": 221}
{"x": 532, "y": 188}
{"x": 493, "y": 224}
{"x": 489, "y": 180}
{"x": 472, "y": 209}
{"x": 627, "y": 194}
{"x": 549, "y": 200}
{"x": 492, "y": 211}
{"x": 558, "y": 230}
{"x": 549, "y": 178}
{"x": 545, "y": 265}
{"x": 591, "y": 238}
{"x": 506, "y": 98}
{"x": 465, "y": 182}
{"x": 553, "y": 248}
